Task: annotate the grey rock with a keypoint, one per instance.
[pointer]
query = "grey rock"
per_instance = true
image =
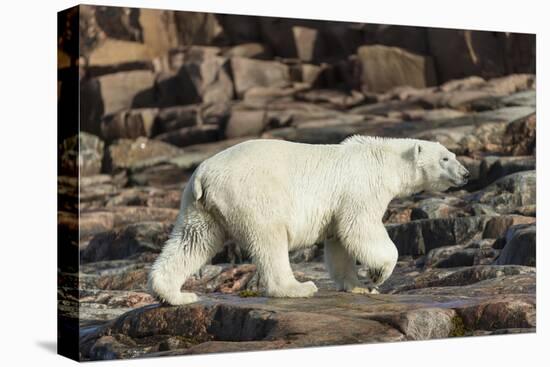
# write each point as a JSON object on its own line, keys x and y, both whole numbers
{"x": 509, "y": 192}
{"x": 520, "y": 246}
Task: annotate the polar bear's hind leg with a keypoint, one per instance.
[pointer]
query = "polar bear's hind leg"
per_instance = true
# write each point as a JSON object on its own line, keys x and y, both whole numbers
{"x": 270, "y": 253}
{"x": 194, "y": 240}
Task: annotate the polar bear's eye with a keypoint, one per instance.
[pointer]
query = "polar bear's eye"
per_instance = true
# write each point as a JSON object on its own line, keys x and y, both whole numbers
{"x": 445, "y": 159}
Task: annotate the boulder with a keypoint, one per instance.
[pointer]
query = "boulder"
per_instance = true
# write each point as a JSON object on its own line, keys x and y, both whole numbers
{"x": 499, "y": 314}
{"x": 520, "y": 248}
{"x": 190, "y": 135}
{"x": 420, "y": 236}
{"x": 248, "y": 73}
{"x": 422, "y": 324}
{"x": 498, "y": 226}
{"x": 383, "y": 68}
{"x": 435, "y": 208}
{"x": 126, "y": 153}
{"x": 124, "y": 90}
{"x": 129, "y": 124}
{"x": 508, "y": 193}
{"x": 131, "y": 240}
{"x": 462, "y": 53}
{"x": 309, "y": 43}
{"x": 81, "y": 154}
{"x": 240, "y": 29}
{"x": 250, "y": 50}
{"x": 493, "y": 167}
{"x": 210, "y": 78}
{"x": 244, "y": 122}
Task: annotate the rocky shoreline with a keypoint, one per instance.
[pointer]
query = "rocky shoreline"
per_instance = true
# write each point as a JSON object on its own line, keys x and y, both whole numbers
{"x": 467, "y": 257}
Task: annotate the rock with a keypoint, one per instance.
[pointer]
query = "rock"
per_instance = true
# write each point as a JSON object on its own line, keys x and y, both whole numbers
{"x": 508, "y": 193}
{"x": 119, "y": 244}
{"x": 521, "y": 136}
{"x": 520, "y": 248}
{"x": 504, "y": 131}
{"x": 435, "y": 208}
{"x": 524, "y": 98}
{"x": 470, "y": 82}
{"x": 174, "y": 118}
{"x": 95, "y": 222}
{"x": 420, "y": 236}
{"x": 472, "y": 165}
{"x": 194, "y": 28}
{"x": 123, "y": 90}
{"x": 479, "y": 53}
{"x": 309, "y": 43}
{"x": 240, "y": 28}
{"x": 92, "y": 107}
{"x": 98, "y": 221}
{"x": 81, "y": 154}
{"x": 263, "y": 96}
{"x": 244, "y": 122}
{"x": 413, "y": 39}
{"x": 385, "y": 67}
{"x": 332, "y": 98}
{"x": 492, "y": 168}
{"x": 477, "y": 280}
{"x": 112, "y": 52}
{"x": 126, "y": 153}
{"x": 422, "y": 324}
{"x": 210, "y": 78}
{"x": 250, "y": 50}
{"x": 312, "y": 253}
{"x": 129, "y": 124}
{"x": 248, "y": 73}
{"x": 199, "y": 323}
{"x": 157, "y": 198}
{"x": 498, "y": 226}
{"x": 190, "y": 135}
{"x": 499, "y": 314}
{"x": 478, "y": 252}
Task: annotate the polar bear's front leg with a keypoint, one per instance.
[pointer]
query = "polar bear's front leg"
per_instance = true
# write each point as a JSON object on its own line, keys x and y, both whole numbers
{"x": 368, "y": 242}
{"x": 271, "y": 257}
{"x": 341, "y": 265}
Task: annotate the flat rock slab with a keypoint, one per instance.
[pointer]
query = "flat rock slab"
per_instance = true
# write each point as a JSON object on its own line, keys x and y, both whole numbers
{"x": 229, "y": 322}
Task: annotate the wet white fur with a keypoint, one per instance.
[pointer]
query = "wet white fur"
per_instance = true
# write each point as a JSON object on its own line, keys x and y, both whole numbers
{"x": 273, "y": 196}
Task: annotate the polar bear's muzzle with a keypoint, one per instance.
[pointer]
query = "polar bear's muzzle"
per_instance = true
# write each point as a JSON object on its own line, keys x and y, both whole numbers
{"x": 459, "y": 175}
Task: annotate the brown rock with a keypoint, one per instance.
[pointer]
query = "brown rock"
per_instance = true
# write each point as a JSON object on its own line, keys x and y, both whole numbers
{"x": 250, "y": 50}
{"x": 245, "y": 123}
{"x": 190, "y": 135}
{"x": 422, "y": 324}
{"x": 248, "y": 73}
{"x": 127, "y": 153}
{"x": 121, "y": 91}
{"x": 129, "y": 124}
{"x": 498, "y": 226}
{"x": 499, "y": 314}
{"x": 383, "y": 68}
{"x": 462, "y": 53}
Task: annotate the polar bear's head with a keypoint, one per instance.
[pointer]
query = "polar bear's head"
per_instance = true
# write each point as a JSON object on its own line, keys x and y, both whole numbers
{"x": 437, "y": 167}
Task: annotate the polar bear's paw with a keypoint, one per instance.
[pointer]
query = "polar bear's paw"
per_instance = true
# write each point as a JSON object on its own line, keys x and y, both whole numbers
{"x": 181, "y": 299}
{"x": 296, "y": 290}
{"x": 361, "y": 290}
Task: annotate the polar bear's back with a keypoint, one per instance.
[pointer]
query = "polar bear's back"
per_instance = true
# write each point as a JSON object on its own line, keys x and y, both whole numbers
{"x": 281, "y": 181}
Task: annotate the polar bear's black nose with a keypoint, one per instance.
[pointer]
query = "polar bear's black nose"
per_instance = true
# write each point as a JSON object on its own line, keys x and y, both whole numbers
{"x": 466, "y": 175}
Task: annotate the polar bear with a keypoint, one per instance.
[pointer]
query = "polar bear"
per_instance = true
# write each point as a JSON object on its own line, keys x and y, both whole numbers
{"x": 272, "y": 196}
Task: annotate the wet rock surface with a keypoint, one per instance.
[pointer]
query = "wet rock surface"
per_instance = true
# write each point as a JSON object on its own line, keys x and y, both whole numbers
{"x": 466, "y": 257}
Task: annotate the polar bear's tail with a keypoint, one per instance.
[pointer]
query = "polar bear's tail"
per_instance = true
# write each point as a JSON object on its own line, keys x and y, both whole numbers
{"x": 195, "y": 239}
